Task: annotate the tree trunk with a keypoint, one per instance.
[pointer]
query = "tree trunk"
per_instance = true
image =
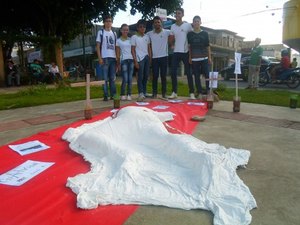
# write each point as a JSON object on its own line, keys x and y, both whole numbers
{"x": 59, "y": 56}
{"x": 21, "y": 54}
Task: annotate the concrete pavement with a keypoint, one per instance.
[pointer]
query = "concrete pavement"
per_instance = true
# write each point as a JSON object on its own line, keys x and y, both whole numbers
{"x": 271, "y": 133}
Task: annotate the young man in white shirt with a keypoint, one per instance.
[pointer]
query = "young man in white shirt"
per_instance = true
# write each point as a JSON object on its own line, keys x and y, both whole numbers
{"x": 179, "y": 30}
{"x": 106, "y": 52}
{"x": 159, "y": 46}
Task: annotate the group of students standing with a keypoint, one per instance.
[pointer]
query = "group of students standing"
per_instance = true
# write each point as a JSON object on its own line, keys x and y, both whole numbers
{"x": 190, "y": 45}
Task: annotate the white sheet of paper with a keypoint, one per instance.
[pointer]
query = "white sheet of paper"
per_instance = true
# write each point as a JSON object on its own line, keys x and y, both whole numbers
{"x": 142, "y": 103}
{"x": 24, "y": 172}
{"x": 237, "y": 69}
{"x": 175, "y": 100}
{"x": 160, "y": 107}
{"x": 196, "y": 103}
{"x": 213, "y": 79}
{"x": 29, "y": 147}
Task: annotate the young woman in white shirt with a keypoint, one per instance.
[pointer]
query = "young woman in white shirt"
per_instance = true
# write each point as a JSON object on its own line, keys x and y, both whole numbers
{"x": 125, "y": 61}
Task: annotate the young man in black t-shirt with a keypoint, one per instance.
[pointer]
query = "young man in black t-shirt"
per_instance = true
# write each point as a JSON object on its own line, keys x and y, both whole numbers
{"x": 199, "y": 54}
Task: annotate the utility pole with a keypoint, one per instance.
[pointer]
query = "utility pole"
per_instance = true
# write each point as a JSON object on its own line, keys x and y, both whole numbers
{"x": 83, "y": 41}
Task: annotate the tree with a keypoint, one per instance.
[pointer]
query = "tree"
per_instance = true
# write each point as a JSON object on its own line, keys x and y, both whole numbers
{"x": 147, "y": 7}
{"x": 50, "y": 24}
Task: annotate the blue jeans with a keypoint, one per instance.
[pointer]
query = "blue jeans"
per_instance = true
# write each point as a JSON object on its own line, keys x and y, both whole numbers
{"x": 143, "y": 74}
{"x": 127, "y": 71}
{"x": 201, "y": 67}
{"x": 283, "y": 74}
{"x": 109, "y": 74}
{"x": 176, "y": 58}
{"x": 159, "y": 66}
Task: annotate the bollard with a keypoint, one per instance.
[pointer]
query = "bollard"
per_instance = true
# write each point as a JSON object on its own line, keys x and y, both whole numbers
{"x": 236, "y": 103}
{"x": 88, "y": 105}
{"x": 293, "y": 101}
{"x": 117, "y": 101}
{"x": 210, "y": 102}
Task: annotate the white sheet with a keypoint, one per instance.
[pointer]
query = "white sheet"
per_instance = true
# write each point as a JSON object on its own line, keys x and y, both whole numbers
{"x": 135, "y": 160}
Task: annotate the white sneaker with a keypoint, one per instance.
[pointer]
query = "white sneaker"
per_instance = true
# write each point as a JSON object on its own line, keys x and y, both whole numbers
{"x": 129, "y": 98}
{"x": 148, "y": 95}
{"x": 173, "y": 95}
{"x": 141, "y": 97}
{"x": 192, "y": 96}
{"x": 123, "y": 97}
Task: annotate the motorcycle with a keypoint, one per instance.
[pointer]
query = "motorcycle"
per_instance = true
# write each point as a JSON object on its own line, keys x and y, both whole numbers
{"x": 76, "y": 72}
{"x": 290, "y": 77}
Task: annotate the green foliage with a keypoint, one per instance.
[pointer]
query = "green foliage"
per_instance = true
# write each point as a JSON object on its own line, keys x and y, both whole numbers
{"x": 45, "y": 24}
{"x": 147, "y": 7}
{"x": 49, "y": 21}
{"x": 221, "y": 87}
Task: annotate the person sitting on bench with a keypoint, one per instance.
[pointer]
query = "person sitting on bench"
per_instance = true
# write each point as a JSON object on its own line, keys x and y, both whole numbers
{"x": 13, "y": 75}
{"x": 37, "y": 71}
{"x": 54, "y": 72}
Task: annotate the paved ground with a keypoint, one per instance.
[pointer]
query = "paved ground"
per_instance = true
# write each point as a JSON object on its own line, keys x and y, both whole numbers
{"x": 272, "y": 134}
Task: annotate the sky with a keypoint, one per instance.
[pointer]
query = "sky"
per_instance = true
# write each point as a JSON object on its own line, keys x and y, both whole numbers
{"x": 247, "y": 18}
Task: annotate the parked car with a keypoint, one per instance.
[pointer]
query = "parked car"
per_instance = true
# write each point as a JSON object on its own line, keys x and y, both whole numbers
{"x": 228, "y": 72}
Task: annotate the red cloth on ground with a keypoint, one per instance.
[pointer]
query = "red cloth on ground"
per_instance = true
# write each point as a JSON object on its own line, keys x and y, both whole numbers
{"x": 46, "y": 200}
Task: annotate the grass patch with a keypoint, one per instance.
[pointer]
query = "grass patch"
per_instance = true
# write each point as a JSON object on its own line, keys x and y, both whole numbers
{"x": 267, "y": 97}
{"x": 41, "y": 95}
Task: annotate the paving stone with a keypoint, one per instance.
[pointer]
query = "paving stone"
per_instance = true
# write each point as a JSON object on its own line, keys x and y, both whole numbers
{"x": 256, "y": 119}
{"x": 295, "y": 125}
{"x": 45, "y": 119}
{"x": 76, "y": 114}
{"x": 13, "y": 125}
